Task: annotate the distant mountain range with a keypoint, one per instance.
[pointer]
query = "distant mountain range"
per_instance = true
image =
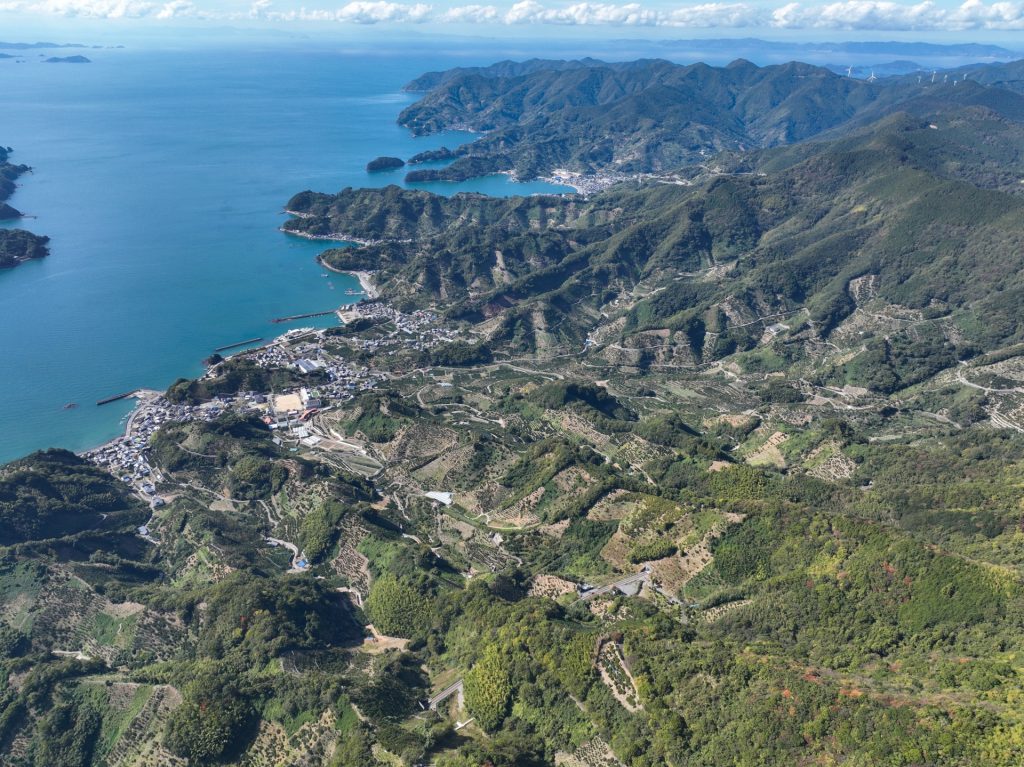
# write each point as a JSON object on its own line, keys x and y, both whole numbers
{"x": 32, "y": 46}
{"x": 887, "y": 48}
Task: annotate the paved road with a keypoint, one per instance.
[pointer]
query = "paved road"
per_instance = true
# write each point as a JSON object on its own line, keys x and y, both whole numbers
{"x": 644, "y": 576}
{"x": 447, "y": 692}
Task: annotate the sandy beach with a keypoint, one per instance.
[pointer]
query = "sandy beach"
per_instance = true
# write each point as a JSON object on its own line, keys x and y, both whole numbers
{"x": 365, "y": 280}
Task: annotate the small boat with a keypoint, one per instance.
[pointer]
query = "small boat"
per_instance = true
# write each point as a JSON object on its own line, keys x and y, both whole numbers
{"x": 71, "y": 406}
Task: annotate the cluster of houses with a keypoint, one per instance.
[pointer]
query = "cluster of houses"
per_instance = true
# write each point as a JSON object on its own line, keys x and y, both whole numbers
{"x": 418, "y": 330}
{"x": 286, "y": 413}
{"x": 125, "y": 456}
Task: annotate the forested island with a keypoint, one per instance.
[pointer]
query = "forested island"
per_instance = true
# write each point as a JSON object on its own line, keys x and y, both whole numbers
{"x": 718, "y": 465}
{"x": 384, "y": 163}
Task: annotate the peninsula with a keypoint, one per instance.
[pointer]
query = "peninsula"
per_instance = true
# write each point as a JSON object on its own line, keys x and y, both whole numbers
{"x": 9, "y": 173}
{"x": 18, "y": 246}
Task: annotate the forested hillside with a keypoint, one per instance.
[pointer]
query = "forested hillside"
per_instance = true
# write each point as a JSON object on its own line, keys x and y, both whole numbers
{"x": 721, "y": 465}
{"x": 654, "y": 115}
{"x": 9, "y": 173}
{"x": 933, "y": 220}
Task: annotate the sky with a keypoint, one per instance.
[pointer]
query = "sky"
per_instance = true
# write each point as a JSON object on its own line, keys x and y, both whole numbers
{"x": 982, "y": 21}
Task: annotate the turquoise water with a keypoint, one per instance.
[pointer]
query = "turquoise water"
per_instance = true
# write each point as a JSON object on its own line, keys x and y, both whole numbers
{"x": 160, "y": 179}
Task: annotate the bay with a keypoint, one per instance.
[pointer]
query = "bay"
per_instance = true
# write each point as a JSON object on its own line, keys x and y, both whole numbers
{"x": 160, "y": 177}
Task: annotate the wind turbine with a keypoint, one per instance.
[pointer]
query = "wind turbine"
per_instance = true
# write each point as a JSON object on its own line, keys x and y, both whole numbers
{"x": 849, "y": 71}
{"x": 934, "y": 72}
{"x": 872, "y": 78}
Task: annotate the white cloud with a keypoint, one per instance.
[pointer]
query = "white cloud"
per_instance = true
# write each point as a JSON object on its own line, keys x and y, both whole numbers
{"x": 715, "y": 15}
{"x": 106, "y": 9}
{"x": 888, "y": 15}
{"x": 974, "y": 14}
{"x": 532, "y": 12}
{"x": 634, "y": 14}
{"x": 102, "y": 9}
{"x": 260, "y": 9}
{"x": 356, "y": 12}
{"x": 855, "y": 15}
{"x": 858, "y": 14}
{"x": 470, "y": 14}
{"x": 377, "y": 11}
{"x": 176, "y": 9}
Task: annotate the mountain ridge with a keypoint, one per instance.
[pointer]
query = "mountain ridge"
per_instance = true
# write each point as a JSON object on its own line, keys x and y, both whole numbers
{"x": 649, "y": 115}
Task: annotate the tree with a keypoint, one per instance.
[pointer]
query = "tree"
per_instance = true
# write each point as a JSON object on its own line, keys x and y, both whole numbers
{"x": 488, "y": 690}
{"x": 213, "y": 721}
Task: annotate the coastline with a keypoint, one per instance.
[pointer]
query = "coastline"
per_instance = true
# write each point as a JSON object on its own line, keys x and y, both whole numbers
{"x": 365, "y": 278}
{"x": 334, "y": 237}
{"x": 142, "y": 395}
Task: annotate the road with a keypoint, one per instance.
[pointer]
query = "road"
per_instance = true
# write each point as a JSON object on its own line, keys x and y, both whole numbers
{"x": 447, "y": 692}
{"x": 644, "y": 576}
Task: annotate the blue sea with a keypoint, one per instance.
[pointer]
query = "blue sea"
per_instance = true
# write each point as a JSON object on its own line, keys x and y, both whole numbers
{"x": 160, "y": 177}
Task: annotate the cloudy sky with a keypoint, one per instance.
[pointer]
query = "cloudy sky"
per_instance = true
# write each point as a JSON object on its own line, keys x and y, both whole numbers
{"x": 975, "y": 20}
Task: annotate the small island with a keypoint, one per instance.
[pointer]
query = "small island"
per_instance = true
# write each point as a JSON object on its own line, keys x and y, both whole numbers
{"x": 18, "y": 246}
{"x": 384, "y": 163}
{"x": 68, "y": 60}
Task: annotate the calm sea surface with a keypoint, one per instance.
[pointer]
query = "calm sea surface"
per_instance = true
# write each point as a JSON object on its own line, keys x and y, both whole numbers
{"x": 160, "y": 179}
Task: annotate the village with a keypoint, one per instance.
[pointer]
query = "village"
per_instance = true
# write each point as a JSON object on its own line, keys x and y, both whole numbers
{"x": 287, "y": 413}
